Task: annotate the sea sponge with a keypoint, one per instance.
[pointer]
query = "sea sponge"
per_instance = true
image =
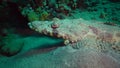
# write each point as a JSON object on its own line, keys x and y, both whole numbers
{"x": 32, "y": 16}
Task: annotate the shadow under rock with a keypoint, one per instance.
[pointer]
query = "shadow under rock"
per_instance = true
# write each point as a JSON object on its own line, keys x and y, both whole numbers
{"x": 42, "y": 48}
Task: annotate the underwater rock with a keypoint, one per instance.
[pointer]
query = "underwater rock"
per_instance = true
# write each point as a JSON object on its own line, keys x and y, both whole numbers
{"x": 11, "y": 45}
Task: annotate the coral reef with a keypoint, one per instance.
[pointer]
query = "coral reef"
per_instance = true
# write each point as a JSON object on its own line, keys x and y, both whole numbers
{"x": 48, "y": 9}
{"x": 88, "y": 28}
